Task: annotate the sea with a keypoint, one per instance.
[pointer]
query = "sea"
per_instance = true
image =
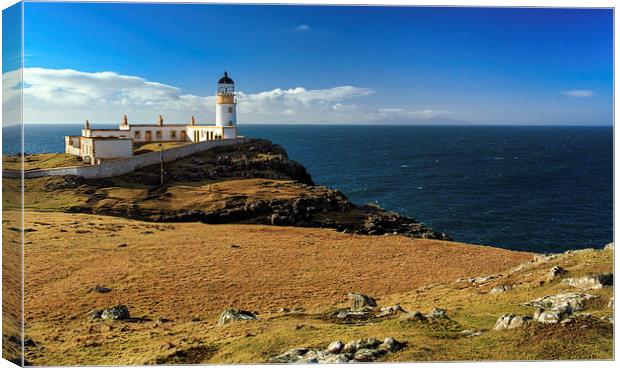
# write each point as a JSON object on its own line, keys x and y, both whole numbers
{"x": 541, "y": 189}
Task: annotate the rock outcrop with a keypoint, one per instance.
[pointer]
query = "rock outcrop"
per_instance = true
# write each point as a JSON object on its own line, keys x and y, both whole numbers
{"x": 119, "y": 312}
{"x": 361, "y": 350}
{"x": 591, "y": 282}
{"x": 233, "y": 315}
{"x": 360, "y": 301}
{"x": 510, "y": 321}
{"x": 577, "y": 301}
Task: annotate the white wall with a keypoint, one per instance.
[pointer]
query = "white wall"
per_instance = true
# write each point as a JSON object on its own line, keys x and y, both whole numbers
{"x": 113, "y": 168}
{"x": 113, "y": 148}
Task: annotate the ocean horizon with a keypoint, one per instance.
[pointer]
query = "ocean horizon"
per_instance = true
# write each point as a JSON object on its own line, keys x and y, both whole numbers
{"x": 535, "y": 188}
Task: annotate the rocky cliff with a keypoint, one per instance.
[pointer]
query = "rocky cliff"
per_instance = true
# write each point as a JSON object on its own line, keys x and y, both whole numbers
{"x": 252, "y": 183}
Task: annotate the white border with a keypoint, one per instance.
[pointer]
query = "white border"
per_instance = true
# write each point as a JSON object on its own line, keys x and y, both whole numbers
{"x": 480, "y": 3}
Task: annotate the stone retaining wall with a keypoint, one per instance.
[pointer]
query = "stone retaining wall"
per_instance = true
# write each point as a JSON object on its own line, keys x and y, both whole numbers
{"x": 118, "y": 167}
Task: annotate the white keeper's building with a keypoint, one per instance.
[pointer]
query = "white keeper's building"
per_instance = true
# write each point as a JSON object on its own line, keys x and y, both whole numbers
{"x": 95, "y": 145}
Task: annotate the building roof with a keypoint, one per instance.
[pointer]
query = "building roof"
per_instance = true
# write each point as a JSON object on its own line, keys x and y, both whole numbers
{"x": 225, "y": 79}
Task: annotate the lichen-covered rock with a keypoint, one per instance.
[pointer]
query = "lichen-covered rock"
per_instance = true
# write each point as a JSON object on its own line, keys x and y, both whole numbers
{"x": 500, "y": 289}
{"x": 232, "y": 314}
{"x": 510, "y": 321}
{"x": 437, "y": 313}
{"x": 360, "y": 301}
{"x": 337, "y": 358}
{"x": 391, "y": 310}
{"x": 553, "y": 315}
{"x": 355, "y": 345}
{"x": 391, "y": 344}
{"x": 577, "y": 301}
{"x": 590, "y": 282}
{"x": 367, "y": 354}
{"x": 555, "y": 272}
{"x": 118, "y": 312}
{"x": 335, "y": 347}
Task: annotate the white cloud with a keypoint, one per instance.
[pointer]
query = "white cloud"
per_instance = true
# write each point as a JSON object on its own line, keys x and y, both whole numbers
{"x": 67, "y": 95}
{"x": 578, "y": 93}
{"x": 303, "y": 27}
{"x": 11, "y": 97}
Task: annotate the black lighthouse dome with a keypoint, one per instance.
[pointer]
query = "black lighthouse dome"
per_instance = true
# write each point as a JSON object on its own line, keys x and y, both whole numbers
{"x": 225, "y": 79}
{"x": 226, "y": 86}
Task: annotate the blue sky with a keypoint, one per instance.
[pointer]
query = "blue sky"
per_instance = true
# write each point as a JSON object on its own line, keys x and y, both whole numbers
{"x": 320, "y": 64}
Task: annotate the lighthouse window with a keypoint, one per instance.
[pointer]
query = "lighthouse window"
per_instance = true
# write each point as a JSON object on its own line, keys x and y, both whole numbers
{"x": 230, "y": 110}
{"x": 137, "y": 135}
{"x": 229, "y": 122}
{"x": 158, "y": 134}
{"x": 173, "y": 134}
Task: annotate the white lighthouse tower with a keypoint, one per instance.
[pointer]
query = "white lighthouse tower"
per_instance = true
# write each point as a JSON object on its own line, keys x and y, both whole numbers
{"x": 225, "y": 103}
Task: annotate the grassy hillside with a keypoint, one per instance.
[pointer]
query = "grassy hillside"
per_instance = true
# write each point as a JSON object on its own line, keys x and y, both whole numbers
{"x": 176, "y": 279}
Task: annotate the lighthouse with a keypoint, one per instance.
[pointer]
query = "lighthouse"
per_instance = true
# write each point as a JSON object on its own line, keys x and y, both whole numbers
{"x": 225, "y": 103}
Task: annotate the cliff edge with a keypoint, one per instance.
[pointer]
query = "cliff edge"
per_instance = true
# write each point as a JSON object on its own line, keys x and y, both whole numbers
{"x": 250, "y": 183}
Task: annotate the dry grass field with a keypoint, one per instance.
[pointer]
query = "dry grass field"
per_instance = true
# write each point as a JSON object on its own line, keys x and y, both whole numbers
{"x": 176, "y": 278}
{"x": 41, "y": 161}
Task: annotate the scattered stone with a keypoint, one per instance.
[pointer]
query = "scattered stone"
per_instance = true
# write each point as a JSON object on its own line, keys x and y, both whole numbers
{"x": 609, "y": 246}
{"x": 284, "y": 310}
{"x": 360, "y": 301}
{"x": 500, "y": 289}
{"x": 122, "y": 245}
{"x": 611, "y": 303}
{"x": 555, "y": 272}
{"x": 391, "y": 310}
{"x": 119, "y": 312}
{"x": 591, "y": 282}
{"x": 510, "y": 321}
{"x": 437, "y": 313}
{"x": 235, "y": 246}
{"x": 101, "y": 289}
{"x": 575, "y": 300}
{"x": 470, "y": 333}
{"x": 95, "y": 313}
{"x": 335, "y": 347}
{"x": 231, "y": 315}
{"x": 391, "y": 344}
